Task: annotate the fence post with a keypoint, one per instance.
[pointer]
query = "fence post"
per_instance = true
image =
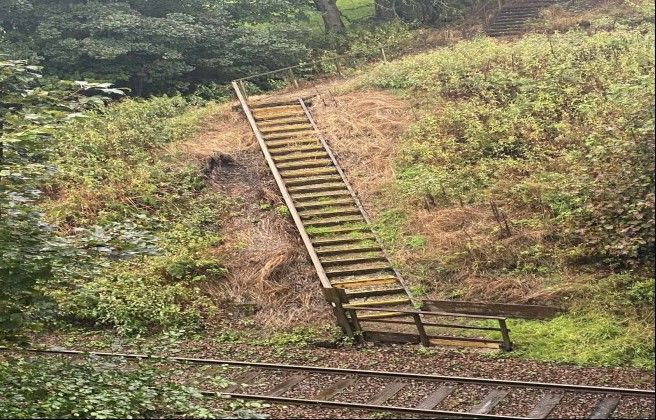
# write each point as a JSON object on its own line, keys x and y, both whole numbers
{"x": 421, "y": 330}
{"x": 293, "y": 78}
{"x": 334, "y": 296}
{"x": 505, "y": 335}
{"x": 382, "y": 50}
{"x": 338, "y": 66}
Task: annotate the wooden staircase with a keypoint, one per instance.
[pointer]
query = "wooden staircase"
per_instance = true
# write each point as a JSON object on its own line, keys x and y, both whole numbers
{"x": 358, "y": 279}
{"x": 512, "y": 17}
{"x": 328, "y": 215}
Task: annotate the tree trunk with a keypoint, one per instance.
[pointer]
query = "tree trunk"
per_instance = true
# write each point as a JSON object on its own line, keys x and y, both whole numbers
{"x": 332, "y": 17}
{"x": 384, "y": 9}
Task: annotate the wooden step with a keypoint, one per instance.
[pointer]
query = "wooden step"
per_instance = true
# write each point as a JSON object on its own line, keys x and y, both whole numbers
{"x": 312, "y": 191}
{"x": 354, "y": 294}
{"x": 300, "y": 142}
{"x": 291, "y": 135}
{"x": 333, "y": 221}
{"x": 357, "y": 270}
{"x": 308, "y": 205}
{"x": 356, "y": 227}
{"x": 280, "y": 116}
{"x": 277, "y": 109}
{"x": 314, "y": 180}
{"x": 282, "y": 151}
{"x": 379, "y": 303}
{"x": 304, "y": 164}
{"x": 380, "y": 315}
{"x": 291, "y": 157}
{"x": 296, "y": 173}
{"x": 318, "y": 214}
{"x": 275, "y": 123}
{"x": 289, "y": 128}
{"x": 365, "y": 282}
{"x": 317, "y": 191}
{"x": 260, "y": 105}
{"x": 357, "y": 259}
{"x": 323, "y": 251}
{"x": 343, "y": 240}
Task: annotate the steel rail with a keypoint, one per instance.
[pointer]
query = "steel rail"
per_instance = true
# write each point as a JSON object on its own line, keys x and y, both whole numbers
{"x": 357, "y": 372}
{"x": 360, "y": 406}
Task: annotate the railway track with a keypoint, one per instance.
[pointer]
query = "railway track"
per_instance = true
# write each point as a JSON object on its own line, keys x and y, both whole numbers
{"x": 412, "y": 394}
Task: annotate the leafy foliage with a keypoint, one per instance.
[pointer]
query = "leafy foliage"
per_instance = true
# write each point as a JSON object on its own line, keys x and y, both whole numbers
{"x": 62, "y": 388}
{"x": 30, "y": 111}
{"x": 558, "y": 132}
{"x": 528, "y": 119}
{"x": 147, "y": 218}
{"x": 154, "y": 47}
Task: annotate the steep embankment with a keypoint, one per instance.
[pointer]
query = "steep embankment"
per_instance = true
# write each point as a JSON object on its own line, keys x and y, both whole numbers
{"x": 525, "y": 174}
{"x": 507, "y": 170}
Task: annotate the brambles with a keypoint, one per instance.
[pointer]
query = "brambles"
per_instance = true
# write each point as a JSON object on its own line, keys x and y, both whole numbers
{"x": 145, "y": 217}
{"x": 555, "y": 134}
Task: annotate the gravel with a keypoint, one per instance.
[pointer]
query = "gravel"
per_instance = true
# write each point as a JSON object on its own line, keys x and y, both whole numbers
{"x": 439, "y": 361}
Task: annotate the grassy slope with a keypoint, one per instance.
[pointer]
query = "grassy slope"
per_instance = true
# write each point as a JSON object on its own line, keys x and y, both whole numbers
{"x": 122, "y": 178}
{"x": 144, "y": 215}
{"x": 530, "y": 125}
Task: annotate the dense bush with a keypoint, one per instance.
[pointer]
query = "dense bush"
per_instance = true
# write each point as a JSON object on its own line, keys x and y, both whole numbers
{"x": 562, "y": 125}
{"x": 31, "y": 108}
{"x": 63, "y": 388}
{"x": 143, "y": 213}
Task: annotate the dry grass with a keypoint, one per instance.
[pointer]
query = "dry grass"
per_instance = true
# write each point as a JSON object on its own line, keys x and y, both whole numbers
{"x": 364, "y": 128}
{"x": 269, "y": 271}
{"x": 223, "y": 131}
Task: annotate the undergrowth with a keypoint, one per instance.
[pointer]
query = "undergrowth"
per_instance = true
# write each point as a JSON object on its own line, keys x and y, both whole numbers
{"x": 142, "y": 213}
{"x": 55, "y": 388}
{"x": 536, "y": 159}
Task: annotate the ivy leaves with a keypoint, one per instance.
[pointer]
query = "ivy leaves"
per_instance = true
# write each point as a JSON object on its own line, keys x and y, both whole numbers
{"x": 30, "y": 111}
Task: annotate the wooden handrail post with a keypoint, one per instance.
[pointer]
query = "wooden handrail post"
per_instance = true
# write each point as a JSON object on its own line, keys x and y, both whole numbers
{"x": 242, "y": 87}
{"x": 338, "y": 66}
{"x": 421, "y": 330}
{"x": 505, "y": 336}
{"x": 292, "y": 76}
{"x": 336, "y": 300}
{"x": 357, "y": 328}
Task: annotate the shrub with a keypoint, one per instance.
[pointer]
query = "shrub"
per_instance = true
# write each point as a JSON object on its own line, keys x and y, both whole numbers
{"x": 564, "y": 124}
{"x": 145, "y": 217}
{"x": 63, "y": 388}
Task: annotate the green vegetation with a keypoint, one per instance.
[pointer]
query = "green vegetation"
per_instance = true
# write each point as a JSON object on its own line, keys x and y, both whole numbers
{"x": 164, "y": 46}
{"x": 31, "y": 110}
{"x": 557, "y": 134}
{"x": 50, "y": 388}
{"x": 124, "y": 192}
{"x": 589, "y": 338}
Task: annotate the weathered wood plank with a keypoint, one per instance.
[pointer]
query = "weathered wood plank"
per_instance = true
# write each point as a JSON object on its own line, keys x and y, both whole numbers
{"x": 335, "y": 389}
{"x": 605, "y": 408}
{"x": 434, "y": 398}
{"x": 489, "y": 402}
{"x": 494, "y": 309}
{"x": 285, "y": 385}
{"x": 239, "y": 382}
{"x": 386, "y": 393}
{"x": 545, "y": 406}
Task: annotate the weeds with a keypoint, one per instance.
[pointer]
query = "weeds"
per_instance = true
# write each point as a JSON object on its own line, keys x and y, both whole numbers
{"x": 123, "y": 192}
